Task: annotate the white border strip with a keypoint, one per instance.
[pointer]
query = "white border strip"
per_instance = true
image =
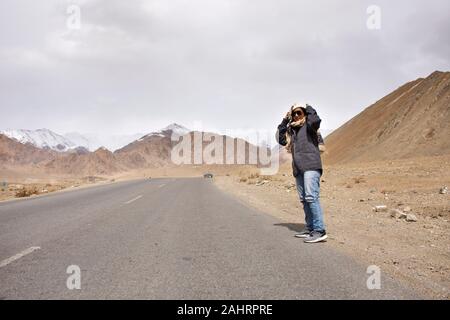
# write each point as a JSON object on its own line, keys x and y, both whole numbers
{"x": 4, "y": 263}
{"x": 132, "y": 200}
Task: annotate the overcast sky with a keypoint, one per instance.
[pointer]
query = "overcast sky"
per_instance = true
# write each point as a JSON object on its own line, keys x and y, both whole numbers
{"x": 136, "y": 66}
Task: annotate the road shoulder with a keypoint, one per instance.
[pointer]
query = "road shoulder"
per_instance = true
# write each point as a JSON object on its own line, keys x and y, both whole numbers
{"x": 354, "y": 229}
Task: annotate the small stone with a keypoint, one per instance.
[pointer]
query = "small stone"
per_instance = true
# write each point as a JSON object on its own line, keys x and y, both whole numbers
{"x": 444, "y": 190}
{"x": 260, "y": 183}
{"x": 411, "y": 218}
{"x": 402, "y": 216}
{"x": 395, "y": 213}
{"x": 381, "y": 208}
{"x": 289, "y": 185}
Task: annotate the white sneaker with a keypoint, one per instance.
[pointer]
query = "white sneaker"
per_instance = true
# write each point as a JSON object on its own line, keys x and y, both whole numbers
{"x": 316, "y": 236}
{"x": 303, "y": 234}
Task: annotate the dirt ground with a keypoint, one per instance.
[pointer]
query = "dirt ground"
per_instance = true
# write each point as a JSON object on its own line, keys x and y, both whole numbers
{"x": 417, "y": 253}
{"x": 19, "y": 188}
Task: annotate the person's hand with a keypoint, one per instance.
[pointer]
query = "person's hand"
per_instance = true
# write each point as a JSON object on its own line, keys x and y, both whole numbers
{"x": 288, "y": 115}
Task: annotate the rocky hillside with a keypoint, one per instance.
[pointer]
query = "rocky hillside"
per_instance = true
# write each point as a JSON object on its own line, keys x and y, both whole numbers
{"x": 412, "y": 121}
{"x": 14, "y": 153}
{"x": 154, "y": 149}
{"x": 100, "y": 162}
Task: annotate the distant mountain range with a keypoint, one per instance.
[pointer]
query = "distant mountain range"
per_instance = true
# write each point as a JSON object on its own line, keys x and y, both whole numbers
{"x": 149, "y": 151}
{"x": 49, "y": 140}
{"x": 41, "y": 138}
{"x": 93, "y": 141}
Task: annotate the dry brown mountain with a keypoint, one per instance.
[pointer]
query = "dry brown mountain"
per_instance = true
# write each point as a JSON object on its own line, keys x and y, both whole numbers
{"x": 80, "y": 162}
{"x": 154, "y": 150}
{"x": 14, "y": 153}
{"x": 99, "y": 162}
{"x": 414, "y": 120}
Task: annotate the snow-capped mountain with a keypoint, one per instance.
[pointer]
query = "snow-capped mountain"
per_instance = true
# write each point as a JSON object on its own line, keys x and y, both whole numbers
{"x": 47, "y": 139}
{"x": 41, "y": 138}
{"x": 174, "y": 128}
{"x": 92, "y": 141}
{"x": 80, "y": 140}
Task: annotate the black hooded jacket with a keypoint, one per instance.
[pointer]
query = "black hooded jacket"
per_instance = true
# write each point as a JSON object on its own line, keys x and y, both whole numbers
{"x": 305, "y": 142}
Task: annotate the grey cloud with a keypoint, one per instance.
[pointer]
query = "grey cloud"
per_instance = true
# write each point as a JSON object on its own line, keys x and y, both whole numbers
{"x": 135, "y": 66}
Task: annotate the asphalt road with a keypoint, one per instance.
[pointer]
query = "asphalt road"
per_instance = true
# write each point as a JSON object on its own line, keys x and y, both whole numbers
{"x": 167, "y": 239}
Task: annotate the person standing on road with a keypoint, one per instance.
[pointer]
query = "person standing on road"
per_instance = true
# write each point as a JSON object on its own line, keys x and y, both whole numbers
{"x": 298, "y": 132}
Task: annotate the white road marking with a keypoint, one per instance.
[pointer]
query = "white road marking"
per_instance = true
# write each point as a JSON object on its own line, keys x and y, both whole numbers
{"x": 4, "y": 263}
{"x": 162, "y": 185}
{"x": 132, "y": 200}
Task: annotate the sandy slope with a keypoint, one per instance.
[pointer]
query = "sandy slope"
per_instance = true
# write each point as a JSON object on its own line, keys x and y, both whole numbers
{"x": 412, "y": 121}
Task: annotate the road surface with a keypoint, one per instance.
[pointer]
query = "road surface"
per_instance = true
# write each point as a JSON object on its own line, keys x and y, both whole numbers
{"x": 167, "y": 239}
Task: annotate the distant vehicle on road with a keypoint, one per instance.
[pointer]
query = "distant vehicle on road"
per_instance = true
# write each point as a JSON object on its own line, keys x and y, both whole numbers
{"x": 208, "y": 175}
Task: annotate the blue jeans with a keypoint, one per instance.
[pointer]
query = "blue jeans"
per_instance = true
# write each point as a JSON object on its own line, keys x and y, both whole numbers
{"x": 308, "y": 188}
